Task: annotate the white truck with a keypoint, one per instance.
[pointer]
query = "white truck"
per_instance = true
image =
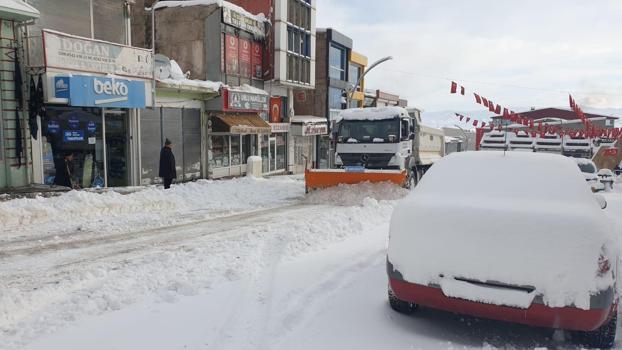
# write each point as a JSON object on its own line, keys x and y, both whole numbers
{"x": 380, "y": 144}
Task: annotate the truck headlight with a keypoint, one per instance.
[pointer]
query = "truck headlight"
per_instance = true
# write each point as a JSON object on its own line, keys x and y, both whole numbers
{"x": 395, "y": 161}
{"x": 338, "y": 160}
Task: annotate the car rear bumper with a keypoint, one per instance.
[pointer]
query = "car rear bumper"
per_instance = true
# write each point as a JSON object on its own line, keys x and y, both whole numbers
{"x": 539, "y": 315}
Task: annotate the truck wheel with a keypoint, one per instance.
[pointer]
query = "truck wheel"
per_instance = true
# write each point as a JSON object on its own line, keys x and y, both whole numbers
{"x": 412, "y": 180}
{"x": 400, "y": 306}
{"x": 602, "y": 337}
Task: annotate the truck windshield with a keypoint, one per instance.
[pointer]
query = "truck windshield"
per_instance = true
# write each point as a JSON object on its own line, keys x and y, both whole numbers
{"x": 369, "y": 131}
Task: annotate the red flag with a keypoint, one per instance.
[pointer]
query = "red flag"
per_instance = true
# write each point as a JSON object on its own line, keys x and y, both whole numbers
{"x": 483, "y": 124}
{"x": 611, "y": 152}
{"x": 540, "y": 126}
{"x": 533, "y": 134}
{"x": 572, "y": 134}
{"x": 468, "y": 119}
{"x": 475, "y": 122}
{"x": 491, "y": 106}
{"x": 531, "y": 123}
{"x": 461, "y": 117}
{"x": 506, "y": 113}
{"x": 462, "y": 90}
{"x": 572, "y": 105}
{"x": 477, "y": 98}
{"x": 454, "y": 87}
{"x": 485, "y": 102}
{"x": 525, "y": 122}
{"x": 498, "y": 109}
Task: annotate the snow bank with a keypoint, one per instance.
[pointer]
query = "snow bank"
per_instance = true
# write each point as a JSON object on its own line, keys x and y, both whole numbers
{"x": 523, "y": 219}
{"x": 150, "y": 207}
{"x": 347, "y": 195}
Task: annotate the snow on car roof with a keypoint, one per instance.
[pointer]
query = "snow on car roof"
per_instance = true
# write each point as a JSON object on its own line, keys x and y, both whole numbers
{"x": 583, "y": 161}
{"x": 375, "y": 113}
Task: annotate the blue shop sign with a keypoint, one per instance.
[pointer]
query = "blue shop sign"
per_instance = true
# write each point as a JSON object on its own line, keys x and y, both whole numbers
{"x": 53, "y": 127}
{"x": 91, "y": 91}
{"x": 73, "y": 136}
{"x": 61, "y": 87}
{"x": 91, "y": 127}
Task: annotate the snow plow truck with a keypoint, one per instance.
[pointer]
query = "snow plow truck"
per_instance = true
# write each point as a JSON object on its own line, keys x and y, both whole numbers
{"x": 381, "y": 144}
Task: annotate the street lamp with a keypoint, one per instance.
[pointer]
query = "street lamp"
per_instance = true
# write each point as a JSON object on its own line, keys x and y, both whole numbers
{"x": 466, "y": 137}
{"x": 350, "y": 92}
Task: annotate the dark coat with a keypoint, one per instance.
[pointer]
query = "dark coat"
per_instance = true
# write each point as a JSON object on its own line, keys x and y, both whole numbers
{"x": 167, "y": 164}
{"x": 64, "y": 168}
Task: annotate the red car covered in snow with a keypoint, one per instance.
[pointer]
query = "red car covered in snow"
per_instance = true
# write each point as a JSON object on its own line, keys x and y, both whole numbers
{"x": 508, "y": 236}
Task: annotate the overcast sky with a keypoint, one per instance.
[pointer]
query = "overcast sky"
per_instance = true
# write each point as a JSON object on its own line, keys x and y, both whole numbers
{"x": 518, "y": 53}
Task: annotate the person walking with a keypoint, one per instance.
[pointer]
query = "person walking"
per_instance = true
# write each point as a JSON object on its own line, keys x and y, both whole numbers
{"x": 64, "y": 171}
{"x": 167, "y": 164}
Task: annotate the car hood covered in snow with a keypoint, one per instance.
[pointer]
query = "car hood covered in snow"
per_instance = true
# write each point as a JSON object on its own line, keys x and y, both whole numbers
{"x": 520, "y": 219}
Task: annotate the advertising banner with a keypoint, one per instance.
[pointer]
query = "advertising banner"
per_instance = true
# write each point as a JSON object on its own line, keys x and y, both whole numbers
{"x": 91, "y": 91}
{"x": 232, "y": 64}
{"x": 245, "y": 101}
{"x": 257, "y": 60}
{"x": 245, "y": 58}
{"x": 68, "y": 52}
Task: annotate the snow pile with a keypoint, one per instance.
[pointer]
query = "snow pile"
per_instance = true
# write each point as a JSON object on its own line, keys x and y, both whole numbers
{"x": 178, "y": 79}
{"x": 151, "y": 207}
{"x": 249, "y": 89}
{"x": 348, "y": 195}
{"x": 524, "y": 219}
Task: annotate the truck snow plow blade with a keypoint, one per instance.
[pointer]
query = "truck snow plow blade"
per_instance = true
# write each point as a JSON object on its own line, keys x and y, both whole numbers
{"x": 324, "y": 178}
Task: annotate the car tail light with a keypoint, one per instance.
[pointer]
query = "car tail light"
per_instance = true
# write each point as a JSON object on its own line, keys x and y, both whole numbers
{"x": 603, "y": 266}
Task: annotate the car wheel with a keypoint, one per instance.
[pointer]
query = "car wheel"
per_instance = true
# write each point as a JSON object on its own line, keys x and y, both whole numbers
{"x": 400, "y": 306}
{"x": 602, "y": 337}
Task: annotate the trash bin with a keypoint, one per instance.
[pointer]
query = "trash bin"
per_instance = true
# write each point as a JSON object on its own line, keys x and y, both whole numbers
{"x": 253, "y": 166}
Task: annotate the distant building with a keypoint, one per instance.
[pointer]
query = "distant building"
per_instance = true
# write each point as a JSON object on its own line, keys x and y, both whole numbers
{"x": 458, "y": 140}
{"x": 562, "y": 117}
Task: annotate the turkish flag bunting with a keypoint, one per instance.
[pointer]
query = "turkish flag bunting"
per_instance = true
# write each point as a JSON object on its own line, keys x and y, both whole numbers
{"x": 475, "y": 122}
{"x": 572, "y": 134}
{"x": 483, "y": 124}
{"x": 462, "y": 90}
{"x": 454, "y": 87}
{"x": 540, "y": 126}
{"x": 477, "y": 98}
{"x": 461, "y": 117}
{"x": 491, "y": 106}
{"x": 525, "y": 122}
{"x": 484, "y": 102}
{"x": 572, "y": 104}
{"x": 498, "y": 109}
{"x": 534, "y": 134}
{"x": 468, "y": 119}
{"x": 531, "y": 123}
{"x": 506, "y": 113}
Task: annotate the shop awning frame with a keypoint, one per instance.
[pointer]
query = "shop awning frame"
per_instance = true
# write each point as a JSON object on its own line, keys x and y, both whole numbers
{"x": 242, "y": 123}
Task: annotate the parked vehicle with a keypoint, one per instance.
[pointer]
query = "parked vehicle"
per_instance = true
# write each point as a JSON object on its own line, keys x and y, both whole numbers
{"x": 589, "y": 170}
{"x": 548, "y": 143}
{"x": 606, "y": 178}
{"x": 384, "y": 144}
{"x": 516, "y": 237}
{"x": 578, "y": 146}
{"x": 493, "y": 141}
{"x": 520, "y": 141}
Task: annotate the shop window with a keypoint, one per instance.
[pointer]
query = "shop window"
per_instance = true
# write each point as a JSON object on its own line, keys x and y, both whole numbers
{"x": 220, "y": 151}
{"x": 235, "y": 150}
{"x": 337, "y": 62}
{"x": 354, "y": 72}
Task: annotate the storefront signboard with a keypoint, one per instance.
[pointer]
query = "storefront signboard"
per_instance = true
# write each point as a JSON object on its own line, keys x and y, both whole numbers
{"x": 246, "y": 101}
{"x": 73, "y": 136}
{"x": 311, "y": 129}
{"x": 53, "y": 127}
{"x": 91, "y": 91}
{"x": 91, "y": 127}
{"x": 246, "y": 23}
{"x": 277, "y": 128}
{"x": 74, "y": 53}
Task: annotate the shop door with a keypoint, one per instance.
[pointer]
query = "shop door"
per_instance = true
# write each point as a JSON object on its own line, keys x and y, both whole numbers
{"x": 117, "y": 151}
{"x": 272, "y": 154}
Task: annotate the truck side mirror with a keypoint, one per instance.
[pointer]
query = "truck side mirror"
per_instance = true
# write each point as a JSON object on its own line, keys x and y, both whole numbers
{"x": 411, "y": 136}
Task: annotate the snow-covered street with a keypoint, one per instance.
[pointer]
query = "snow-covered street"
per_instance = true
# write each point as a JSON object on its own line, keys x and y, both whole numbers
{"x": 283, "y": 271}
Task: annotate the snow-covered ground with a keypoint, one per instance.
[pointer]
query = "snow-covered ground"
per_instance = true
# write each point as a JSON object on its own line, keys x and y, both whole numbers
{"x": 241, "y": 264}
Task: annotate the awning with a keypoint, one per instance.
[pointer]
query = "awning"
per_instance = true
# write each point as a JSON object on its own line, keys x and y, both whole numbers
{"x": 308, "y": 125}
{"x": 241, "y": 124}
{"x": 17, "y": 10}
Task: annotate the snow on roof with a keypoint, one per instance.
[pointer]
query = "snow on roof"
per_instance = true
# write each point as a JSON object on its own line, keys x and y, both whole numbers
{"x": 20, "y": 9}
{"x": 375, "y": 113}
{"x": 249, "y": 89}
{"x": 485, "y": 231}
{"x": 307, "y": 119}
{"x": 220, "y": 3}
{"x": 177, "y": 79}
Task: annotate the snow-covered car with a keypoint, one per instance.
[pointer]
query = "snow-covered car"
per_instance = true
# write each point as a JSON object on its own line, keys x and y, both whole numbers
{"x": 588, "y": 169}
{"x": 515, "y": 237}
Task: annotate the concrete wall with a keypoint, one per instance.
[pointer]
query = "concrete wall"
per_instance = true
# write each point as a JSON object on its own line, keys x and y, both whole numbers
{"x": 181, "y": 35}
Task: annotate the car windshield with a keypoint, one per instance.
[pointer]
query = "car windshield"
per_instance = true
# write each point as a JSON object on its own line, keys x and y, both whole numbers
{"x": 587, "y": 168}
{"x": 367, "y": 131}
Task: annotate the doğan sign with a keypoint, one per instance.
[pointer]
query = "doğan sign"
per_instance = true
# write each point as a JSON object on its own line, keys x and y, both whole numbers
{"x": 74, "y": 53}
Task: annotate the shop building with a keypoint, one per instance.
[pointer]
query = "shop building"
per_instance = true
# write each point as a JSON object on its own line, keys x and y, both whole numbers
{"x": 15, "y": 138}
{"x": 333, "y": 54}
{"x": 378, "y": 98}
{"x": 95, "y": 84}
